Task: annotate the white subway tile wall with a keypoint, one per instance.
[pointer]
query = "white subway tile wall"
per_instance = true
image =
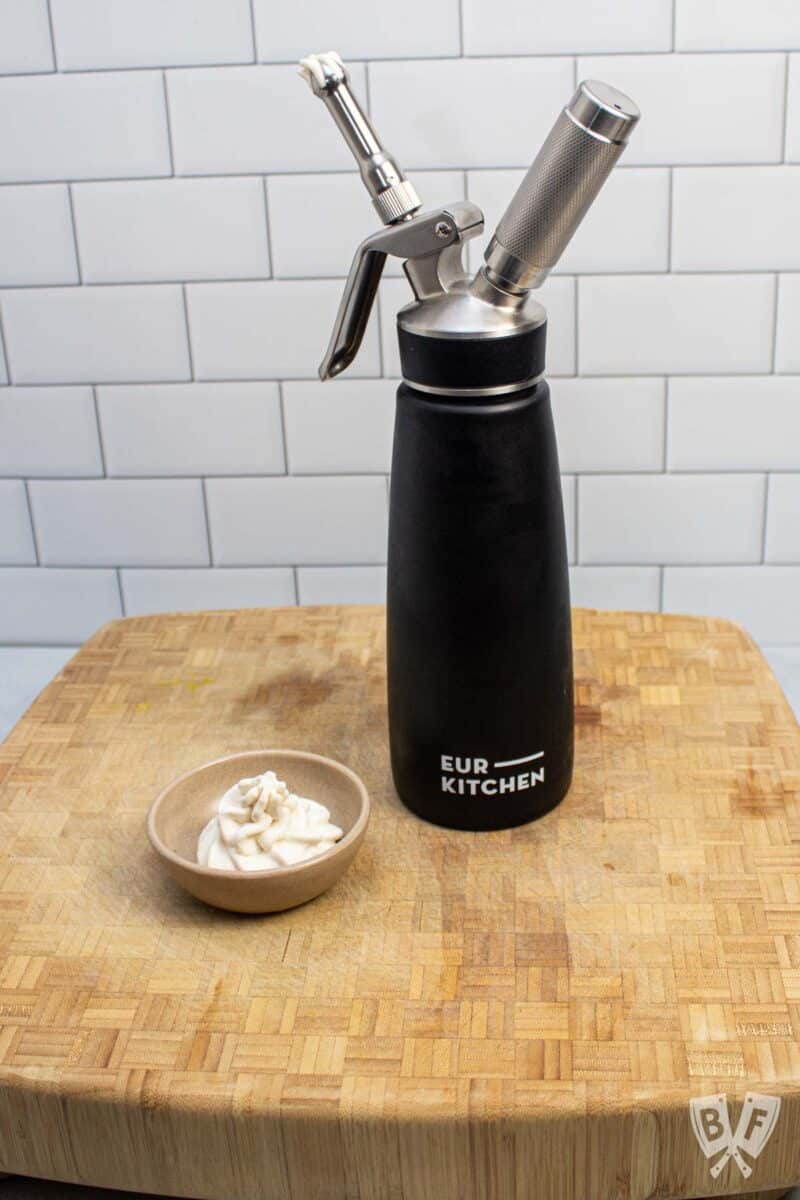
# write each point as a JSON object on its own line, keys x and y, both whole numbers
{"x": 178, "y": 214}
{"x": 736, "y": 25}
{"x": 787, "y": 340}
{"x": 192, "y": 429}
{"x": 49, "y": 431}
{"x": 268, "y": 330}
{"x": 37, "y": 244}
{"x": 341, "y": 585}
{"x": 687, "y": 97}
{"x": 124, "y": 522}
{"x": 783, "y": 526}
{"x": 95, "y": 335}
{"x": 189, "y": 590}
{"x": 343, "y": 427}
{"x": 356, "y": 29}
{"x": 683, "y": 324}
{"x": 725, "y": 423}
{"x": 99, "y": 125}
{"x": 332, "y": 520}
{"x": 793, "y": 110}
{"x": 740, "y": 218}
{"x": 671, "y": 518}
{"x": 636, "y": 588}
{"x": 98, "y": 34}
{"x": 44, "y": 607}
{"x": 158, "y": 230}
{"x": 24, "y": 37}
{"x": 551, "y": 27}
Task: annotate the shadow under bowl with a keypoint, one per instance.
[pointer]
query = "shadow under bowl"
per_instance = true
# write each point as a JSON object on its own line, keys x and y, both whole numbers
{"x": 186, "y": 805}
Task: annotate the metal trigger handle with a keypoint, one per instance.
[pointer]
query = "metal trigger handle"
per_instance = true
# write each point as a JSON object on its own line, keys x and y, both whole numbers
{"x": 431, "y": 243}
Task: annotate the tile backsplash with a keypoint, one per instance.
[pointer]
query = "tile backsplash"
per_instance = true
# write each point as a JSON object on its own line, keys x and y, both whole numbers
{"x": 177, "y": 216}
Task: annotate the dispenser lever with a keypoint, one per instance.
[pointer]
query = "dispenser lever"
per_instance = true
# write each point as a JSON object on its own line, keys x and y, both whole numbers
{"x": 431, "y": 244}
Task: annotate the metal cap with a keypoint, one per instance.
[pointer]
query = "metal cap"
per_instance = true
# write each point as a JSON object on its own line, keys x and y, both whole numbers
{"x": 603, "y": 111}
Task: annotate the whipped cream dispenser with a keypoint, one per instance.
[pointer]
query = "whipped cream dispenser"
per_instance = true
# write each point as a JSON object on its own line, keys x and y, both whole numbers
{"x": 479, "y": 652}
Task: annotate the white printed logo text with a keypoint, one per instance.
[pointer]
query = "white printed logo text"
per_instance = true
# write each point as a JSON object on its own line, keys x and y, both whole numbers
{"x": 711, "y": 1125}
{"x": 464, "y": 776}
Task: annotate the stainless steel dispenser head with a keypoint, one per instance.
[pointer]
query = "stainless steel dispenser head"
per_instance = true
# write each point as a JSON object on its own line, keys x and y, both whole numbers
{"x": 573, "y": 164}
{"x": 568, "y": 172}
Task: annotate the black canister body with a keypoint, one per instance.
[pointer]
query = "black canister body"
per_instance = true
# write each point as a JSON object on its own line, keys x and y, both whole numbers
{"x": 478, "y": 613}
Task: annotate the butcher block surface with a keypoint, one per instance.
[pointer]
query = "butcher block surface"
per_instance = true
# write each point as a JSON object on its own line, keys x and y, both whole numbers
{"x": 495, "y": 1015}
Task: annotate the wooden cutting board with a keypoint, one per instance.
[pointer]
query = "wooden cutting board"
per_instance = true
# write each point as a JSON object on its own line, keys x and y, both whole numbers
{"x": 491, "y": 1015}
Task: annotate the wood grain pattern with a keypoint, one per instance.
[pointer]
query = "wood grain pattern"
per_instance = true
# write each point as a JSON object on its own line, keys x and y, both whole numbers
{"x": 462, "y": 1015}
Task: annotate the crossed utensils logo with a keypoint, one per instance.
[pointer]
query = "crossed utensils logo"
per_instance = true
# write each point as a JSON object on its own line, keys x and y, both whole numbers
{"x": 711, "y": 1125}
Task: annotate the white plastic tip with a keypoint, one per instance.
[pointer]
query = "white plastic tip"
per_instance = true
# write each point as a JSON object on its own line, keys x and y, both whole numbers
{"x": 320, "y": 70}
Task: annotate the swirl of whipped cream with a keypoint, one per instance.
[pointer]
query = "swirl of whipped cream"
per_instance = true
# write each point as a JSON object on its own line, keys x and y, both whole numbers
{"x": 261, "y": 824}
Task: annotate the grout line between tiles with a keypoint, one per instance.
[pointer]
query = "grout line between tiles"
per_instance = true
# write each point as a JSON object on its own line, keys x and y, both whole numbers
{"x": 253, "y": 30}
{"x": 661, "y": 582}
{"x": 670, "y": 216}
{"x": 764, "y": 518}
{"x": 411, "y": 166}
{"x": 208, "y": 522}
{"x": 168, "y": 119}
{"x": 775, "y": 301}
{"x": 575, "y": 522}
{"x": 576, "y": 318}
{"x": 674, "y": 24}
{"x": 4, "y": 347}
{"x": 39, "y": 646}
{"x": 698, "y": 273}
{"x": 296, "y": 582}
{"x": 226, "y": 379}
{"x": 120, "y": 591}
{"x": 461, "y": 27}
{"x": 379, "y": 472}
{"x": 665, "y": 430}
{"x": 287, "y": 470}
{"x": 416, "y": 59}
{"x": 34, "y": 534}
{"x": 100, "y": 438}
{"x": 52, "y": 35}
{"x": 785, "y": 138}
{"x": 74, "y": 224}
{"x": 188, "y": 332}
{"x": 751, "y": 564}
{"x": 270, "y": 254}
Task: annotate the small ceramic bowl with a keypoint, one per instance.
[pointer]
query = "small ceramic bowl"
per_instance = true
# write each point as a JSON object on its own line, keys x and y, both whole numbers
{"x": 178, "y": 814}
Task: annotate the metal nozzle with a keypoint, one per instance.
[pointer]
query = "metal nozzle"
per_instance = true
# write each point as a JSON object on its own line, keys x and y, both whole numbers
{"x": 564, "y": 179}
{"x": 392, "y": 194}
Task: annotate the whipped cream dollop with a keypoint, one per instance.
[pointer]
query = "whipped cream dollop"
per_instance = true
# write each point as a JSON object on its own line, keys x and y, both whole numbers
{"x": 261, "y": 824}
